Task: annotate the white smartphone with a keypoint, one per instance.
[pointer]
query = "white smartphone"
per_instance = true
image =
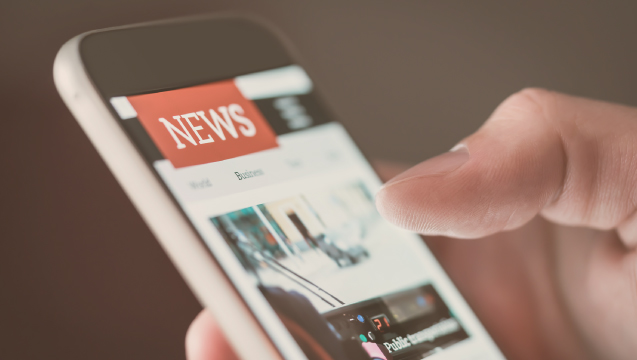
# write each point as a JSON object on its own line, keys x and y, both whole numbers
{"x": 259, "y": 196}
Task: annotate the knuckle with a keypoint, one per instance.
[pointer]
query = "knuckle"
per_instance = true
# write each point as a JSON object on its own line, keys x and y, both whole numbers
{"x": 536, "y": 94}
{"x": 531, "y": 110}
{"x": 534, "y": 101}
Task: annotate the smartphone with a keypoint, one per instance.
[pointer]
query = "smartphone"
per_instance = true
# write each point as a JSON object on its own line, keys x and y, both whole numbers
{"x": 259, "y": 195}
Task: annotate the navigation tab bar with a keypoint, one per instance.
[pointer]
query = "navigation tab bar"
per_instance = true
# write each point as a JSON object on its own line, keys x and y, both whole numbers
{"x": 302, "y": 153}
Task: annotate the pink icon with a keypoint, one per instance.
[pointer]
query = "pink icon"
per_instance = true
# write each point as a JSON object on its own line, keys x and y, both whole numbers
{"x": 375, "y": 351}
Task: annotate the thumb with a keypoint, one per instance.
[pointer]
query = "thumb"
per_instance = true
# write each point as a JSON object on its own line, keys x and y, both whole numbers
{"x": 573, "y": 160}
{"x": 205, "y": 341}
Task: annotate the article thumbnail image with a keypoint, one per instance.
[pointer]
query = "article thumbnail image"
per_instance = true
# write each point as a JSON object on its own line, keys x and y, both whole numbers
{"x": 305, "y": 240}
{"x": 330, "y": 245}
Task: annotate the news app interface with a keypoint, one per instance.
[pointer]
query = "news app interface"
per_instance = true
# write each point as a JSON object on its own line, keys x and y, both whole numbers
{"x": 285, "y": 202}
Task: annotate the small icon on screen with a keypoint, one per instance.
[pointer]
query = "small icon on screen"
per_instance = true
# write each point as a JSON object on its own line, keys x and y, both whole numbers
{"x": 381, "y": 323}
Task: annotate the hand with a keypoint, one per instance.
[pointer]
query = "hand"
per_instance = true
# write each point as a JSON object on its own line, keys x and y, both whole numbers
{"x": 547, "y": 184}
{"x": 550, "y": 185}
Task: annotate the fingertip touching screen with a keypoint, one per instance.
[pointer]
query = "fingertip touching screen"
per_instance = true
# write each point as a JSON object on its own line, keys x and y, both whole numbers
{"x": 284, "y": 200}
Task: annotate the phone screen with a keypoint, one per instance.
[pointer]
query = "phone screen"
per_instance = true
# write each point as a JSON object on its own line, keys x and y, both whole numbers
{"x": 284, "y": 200}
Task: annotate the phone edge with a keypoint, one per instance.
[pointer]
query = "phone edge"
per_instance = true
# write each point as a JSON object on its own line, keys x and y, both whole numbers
{"x": 189, "y": 255}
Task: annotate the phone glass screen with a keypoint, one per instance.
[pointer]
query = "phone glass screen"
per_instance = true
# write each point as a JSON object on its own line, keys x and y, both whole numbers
{"x": 284, "y": 200}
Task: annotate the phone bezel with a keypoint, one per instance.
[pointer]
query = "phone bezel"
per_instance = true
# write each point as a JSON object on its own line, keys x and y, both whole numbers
{"x": 174, "y": 54}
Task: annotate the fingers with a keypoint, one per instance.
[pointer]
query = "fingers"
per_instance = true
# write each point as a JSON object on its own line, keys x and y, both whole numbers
{"x": 573, "y": 160}
{"x": 204, "y": 340}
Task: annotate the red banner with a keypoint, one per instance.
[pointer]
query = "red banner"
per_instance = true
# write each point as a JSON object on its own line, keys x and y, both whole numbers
{"x": 203, "y": 124}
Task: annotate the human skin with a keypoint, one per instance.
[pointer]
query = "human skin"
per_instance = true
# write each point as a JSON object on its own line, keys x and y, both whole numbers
{"x": 534, "y": 219}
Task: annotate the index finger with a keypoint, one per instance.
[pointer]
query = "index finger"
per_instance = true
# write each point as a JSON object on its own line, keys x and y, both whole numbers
{"x": 571, "y": 159}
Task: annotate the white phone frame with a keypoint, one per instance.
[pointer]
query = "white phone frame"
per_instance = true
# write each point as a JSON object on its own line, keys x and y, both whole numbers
{"x": 168, "y": 224}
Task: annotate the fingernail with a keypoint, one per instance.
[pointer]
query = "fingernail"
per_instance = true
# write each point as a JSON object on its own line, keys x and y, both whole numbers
{"x": 440, "y": 165}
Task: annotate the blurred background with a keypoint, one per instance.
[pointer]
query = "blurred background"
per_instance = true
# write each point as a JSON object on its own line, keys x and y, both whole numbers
{"x": 80, "y": 274}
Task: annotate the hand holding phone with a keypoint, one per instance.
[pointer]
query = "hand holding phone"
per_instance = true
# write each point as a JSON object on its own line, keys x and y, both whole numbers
{"x": 514, "y": 265}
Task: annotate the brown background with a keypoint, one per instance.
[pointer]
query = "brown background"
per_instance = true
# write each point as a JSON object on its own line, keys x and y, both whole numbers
{"x": 81, "y": 277}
